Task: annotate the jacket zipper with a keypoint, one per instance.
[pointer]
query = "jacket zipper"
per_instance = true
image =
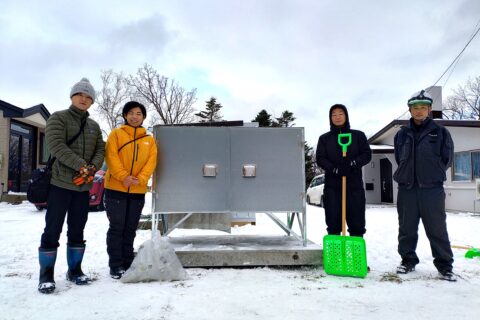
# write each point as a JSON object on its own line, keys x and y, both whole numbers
{"x": 133, "y": 158}
{"x": 83, "y": 135}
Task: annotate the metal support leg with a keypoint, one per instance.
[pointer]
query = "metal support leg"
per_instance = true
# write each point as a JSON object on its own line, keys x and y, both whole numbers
{"x": 304, "y": 227}
{"x": 283, "y": 226}
{"x": 167, "y": 232}
{"x": 290, "y": 219}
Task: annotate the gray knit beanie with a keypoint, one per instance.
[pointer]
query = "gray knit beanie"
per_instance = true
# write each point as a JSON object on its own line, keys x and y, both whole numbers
{"x": 83, "y": 86}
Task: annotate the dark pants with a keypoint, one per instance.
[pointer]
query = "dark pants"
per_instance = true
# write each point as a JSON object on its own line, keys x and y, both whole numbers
{"x": 332, "y": 200}
{"x": 428, "y": 205}
{"x": 123, "y": 215}
{"x": 61, "y": 201}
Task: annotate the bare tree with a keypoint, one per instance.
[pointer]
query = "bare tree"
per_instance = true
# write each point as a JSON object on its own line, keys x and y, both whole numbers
{"x": 465, "y": 102}
{"x": 171, "y": 103}
{"x": 111, "y": 97}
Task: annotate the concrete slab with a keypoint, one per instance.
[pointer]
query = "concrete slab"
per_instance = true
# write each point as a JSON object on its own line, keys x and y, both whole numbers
{"x": 245, "y": 250}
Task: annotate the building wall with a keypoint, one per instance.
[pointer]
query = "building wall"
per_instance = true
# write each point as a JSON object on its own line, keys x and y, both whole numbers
{"x": 371, "y": 174}
{"x": 460, "y": 196}
{"x": 4, "y": 145}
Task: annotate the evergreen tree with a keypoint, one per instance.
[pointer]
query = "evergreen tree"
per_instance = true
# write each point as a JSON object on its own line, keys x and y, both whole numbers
{"x": 286, "y": 120}
{"x": 310, "y": 164}
{"x": 263, "y": 118}
{"x": 212, "y": 113}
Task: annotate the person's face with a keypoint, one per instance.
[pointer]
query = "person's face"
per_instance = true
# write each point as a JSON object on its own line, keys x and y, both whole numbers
{"x": 420, "y": 112}
{"x": 82, "y": 101}
{"x": 338, "y": 117}
{"x": 135, "y": 117}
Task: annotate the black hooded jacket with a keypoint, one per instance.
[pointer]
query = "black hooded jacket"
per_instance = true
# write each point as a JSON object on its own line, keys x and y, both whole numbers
{"x": 329, "y": 153}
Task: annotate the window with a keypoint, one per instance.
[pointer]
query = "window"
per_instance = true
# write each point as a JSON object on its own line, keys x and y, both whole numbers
{"x": 44, "y": 152}
{"x": 466, "y": 166}
{"x": 476, "y": 164}
{"x": 461, "y": 167}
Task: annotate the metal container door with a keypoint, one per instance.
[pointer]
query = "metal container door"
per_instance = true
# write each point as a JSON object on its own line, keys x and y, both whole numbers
{"x": 195, "y": 174}
{"x": 267, "y": 170}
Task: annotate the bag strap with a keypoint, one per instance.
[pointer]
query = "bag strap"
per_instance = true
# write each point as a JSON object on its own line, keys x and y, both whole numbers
{"x": 69, "y": 142}
{"x": 147, "y": 135}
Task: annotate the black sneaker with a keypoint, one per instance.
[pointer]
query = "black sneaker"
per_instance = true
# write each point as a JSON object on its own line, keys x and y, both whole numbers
{"x": 405, "y": 268}
{"x": 447, "y": 276}
{"x": 117, "y": 273}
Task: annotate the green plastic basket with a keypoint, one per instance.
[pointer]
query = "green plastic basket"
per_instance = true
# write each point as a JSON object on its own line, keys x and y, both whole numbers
{"x": 345, "y": 256}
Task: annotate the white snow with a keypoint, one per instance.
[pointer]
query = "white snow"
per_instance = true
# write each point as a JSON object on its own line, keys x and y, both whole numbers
{"x": 252, "y": 293}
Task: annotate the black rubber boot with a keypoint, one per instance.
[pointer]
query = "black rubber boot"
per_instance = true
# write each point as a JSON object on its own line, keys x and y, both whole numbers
{"x": 74, "y": 260}
{"x": 46, "y": 258}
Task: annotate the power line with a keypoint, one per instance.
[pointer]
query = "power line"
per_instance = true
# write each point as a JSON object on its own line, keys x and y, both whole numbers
{"x": 453, "y": 68}
{"x": 454, "y": 63}
{"x": 458, "y": 56}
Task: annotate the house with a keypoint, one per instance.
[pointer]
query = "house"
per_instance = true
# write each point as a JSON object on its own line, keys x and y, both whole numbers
{"x": 22, "y": 144}
{"x": 463, "y": 178}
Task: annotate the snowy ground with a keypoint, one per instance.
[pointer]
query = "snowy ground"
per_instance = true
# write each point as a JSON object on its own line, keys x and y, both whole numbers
{"x": 256, "y": 293}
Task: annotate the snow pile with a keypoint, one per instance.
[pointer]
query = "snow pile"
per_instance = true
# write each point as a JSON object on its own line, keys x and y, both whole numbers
{"x": 155, "y": 260}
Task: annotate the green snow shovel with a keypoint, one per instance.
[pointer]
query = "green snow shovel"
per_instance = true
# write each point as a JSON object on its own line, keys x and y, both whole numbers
{"x": 471, "y": 252}
{"x": 344, "y": 255}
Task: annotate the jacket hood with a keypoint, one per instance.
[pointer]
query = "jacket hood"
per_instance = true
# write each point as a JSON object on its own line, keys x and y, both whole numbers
{"x": 347, "y": 121}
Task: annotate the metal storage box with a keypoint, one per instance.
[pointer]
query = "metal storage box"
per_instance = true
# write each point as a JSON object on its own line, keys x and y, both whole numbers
{"x": 230, "y": 169}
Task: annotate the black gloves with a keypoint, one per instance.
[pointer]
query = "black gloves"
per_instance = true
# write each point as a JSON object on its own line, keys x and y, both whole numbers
{"x": 345, "y": 167}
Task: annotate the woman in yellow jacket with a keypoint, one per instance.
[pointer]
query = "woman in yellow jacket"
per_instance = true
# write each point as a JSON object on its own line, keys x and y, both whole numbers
{"x": 131, "y": 156}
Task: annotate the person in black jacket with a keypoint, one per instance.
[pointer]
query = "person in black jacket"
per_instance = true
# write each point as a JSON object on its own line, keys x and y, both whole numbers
{"x": 423, "y": 152}
{"x": 329, "y": 158}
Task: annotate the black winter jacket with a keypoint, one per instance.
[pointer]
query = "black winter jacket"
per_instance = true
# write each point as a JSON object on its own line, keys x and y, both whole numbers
{"x": 423, "y": 160}
{"x": 329, "y": 155}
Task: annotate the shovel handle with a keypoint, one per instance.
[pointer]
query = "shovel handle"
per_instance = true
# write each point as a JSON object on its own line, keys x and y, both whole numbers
{"x": 344, "y": 204}
{"x": 461, "y": 247}
{"x": 344, "y": 140}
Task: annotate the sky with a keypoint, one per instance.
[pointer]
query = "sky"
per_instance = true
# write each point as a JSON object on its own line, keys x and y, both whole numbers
{"x": 240, "y": 293}
{"x": 296, "y": 55}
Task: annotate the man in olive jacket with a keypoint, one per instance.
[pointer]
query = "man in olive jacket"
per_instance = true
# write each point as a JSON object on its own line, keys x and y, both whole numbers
{"x": 423, "y": 152}
{"x": 76, "y": 142}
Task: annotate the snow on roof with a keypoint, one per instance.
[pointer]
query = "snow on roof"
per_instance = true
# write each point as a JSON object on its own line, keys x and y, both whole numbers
{"x": 381, "y": 147}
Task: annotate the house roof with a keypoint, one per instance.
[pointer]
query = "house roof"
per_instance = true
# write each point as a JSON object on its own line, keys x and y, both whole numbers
{"x": 381, "y": 148}
{"x": 443, "y": 122}
{"x": 11, "y": 111}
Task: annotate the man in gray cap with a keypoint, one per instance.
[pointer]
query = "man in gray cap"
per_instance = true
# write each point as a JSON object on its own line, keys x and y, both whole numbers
{"x": 76, "y": 142}
{"x": 423, "y": 152}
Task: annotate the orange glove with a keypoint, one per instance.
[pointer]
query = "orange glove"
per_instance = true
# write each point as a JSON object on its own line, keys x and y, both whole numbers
{"x": 91, "y": 173}
{"x": 80, "y": 177}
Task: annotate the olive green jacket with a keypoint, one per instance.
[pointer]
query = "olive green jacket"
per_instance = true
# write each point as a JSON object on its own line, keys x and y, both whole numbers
{"x": 88, "y": 148}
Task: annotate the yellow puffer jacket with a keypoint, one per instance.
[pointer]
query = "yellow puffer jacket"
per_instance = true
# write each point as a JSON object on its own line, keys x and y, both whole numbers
{"x": 137, "y": 158}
